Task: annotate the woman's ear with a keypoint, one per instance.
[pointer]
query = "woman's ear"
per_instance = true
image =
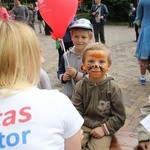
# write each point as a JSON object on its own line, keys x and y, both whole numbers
{"x": 42, "y": 60}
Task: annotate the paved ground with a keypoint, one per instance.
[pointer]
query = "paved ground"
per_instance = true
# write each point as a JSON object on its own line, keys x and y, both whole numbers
{"x": 124, "y": 69}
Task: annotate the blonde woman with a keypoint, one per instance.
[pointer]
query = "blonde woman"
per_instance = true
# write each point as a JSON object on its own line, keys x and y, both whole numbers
{"x": 31, "y": 118}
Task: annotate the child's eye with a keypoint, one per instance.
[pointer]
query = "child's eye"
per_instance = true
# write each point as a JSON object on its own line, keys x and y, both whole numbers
{"x": 102, "y": 61}
{"x": 90, "y": 61}
{"x": 84, "y": 37}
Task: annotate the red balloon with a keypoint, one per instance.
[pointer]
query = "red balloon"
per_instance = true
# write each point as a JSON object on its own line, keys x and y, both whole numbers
{"x": 58, "y": 14}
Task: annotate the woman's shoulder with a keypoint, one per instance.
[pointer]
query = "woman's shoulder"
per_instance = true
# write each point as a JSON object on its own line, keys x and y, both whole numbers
{"x": 52, "y": 93}
{"x": 42, "y": 93}
{"x": 44, "y": 97}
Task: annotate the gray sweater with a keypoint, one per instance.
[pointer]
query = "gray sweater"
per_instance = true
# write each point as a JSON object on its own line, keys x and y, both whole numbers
{"x": 44, "y": 82}
{"x": 70, "y": 58}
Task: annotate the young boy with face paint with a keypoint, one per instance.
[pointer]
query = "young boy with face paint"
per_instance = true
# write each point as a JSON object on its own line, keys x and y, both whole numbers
{"x": 98, "y": 99}
{"x": 69, "y": 71}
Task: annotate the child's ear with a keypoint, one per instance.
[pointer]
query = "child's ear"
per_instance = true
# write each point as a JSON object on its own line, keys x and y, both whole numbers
{"x": 83, "y": 67}
{"x": 108, "y": 67}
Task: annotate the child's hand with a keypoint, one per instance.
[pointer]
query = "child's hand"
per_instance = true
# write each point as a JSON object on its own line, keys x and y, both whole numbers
{"x": 66, "y": 77}
{"x": 144, "y": 145}
{"x": 71, "y": 71}
{"x": 97, "y": 132}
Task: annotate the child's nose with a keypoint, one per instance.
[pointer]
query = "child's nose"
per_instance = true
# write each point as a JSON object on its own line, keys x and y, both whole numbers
{"x": 80, "y": 39}
{"x": 96, "y": 64}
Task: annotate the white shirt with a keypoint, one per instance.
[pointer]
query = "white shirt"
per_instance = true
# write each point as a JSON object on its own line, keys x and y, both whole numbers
{"x": 37, "y": 119}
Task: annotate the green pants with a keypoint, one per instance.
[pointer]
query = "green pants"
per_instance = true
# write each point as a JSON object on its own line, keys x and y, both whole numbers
{"x": 93, "y": 143}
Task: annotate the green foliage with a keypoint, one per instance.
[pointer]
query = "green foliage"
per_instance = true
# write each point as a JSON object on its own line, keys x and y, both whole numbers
{"x": 83, "y": 15}
{"x": 118, "y": 9}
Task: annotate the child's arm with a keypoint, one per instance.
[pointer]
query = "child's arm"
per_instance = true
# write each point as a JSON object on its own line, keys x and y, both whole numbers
{"x": 71, "y": 71}
{"x": 74, "y": 143}
{"x": 74, "y": 73}
{"x": 63, "y": 76}
{"x": 97, "y": 132}
{"x": 144, "y": 145}
{"x": 117, "y": 110}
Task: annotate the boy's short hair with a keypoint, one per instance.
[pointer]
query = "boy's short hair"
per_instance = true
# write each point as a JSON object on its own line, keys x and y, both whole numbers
{"x": 82, "y": 24}
{"x": 97, "y": 46}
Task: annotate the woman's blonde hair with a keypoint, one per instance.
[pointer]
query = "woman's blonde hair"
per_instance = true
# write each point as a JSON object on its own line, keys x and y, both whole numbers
{"x": 20, "y": 58}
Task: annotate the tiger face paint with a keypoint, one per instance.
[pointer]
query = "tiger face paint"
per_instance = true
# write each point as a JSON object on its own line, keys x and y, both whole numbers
{"x": 96, "y": 64}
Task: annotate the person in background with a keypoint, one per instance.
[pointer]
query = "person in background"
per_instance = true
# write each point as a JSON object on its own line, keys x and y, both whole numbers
{"x": 69, "y": 71}
{"x": 40, "y": 20}
{"x": 99, "y": 13}
{"x": 131, "y": 15}
{"x": 20, "y": 12}
{"x": 98, "y": 99}
{"x": 29, "y": 119}
{"x": 9, "y": 10}
{"x": 3, "y": 12}
{"x": 143, "y": 45}
{"x": 144, "y": 135}
{"x": 44, "y": 82}
{"x": 31, "y": 19}
{"x": 136, "y": 27}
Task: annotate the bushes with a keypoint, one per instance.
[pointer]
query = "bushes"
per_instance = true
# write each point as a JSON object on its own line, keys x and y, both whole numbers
{"x": 118, "y": 9}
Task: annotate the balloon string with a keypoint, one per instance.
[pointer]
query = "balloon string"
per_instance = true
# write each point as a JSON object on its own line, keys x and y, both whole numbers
{"x": 64, "y": 49}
